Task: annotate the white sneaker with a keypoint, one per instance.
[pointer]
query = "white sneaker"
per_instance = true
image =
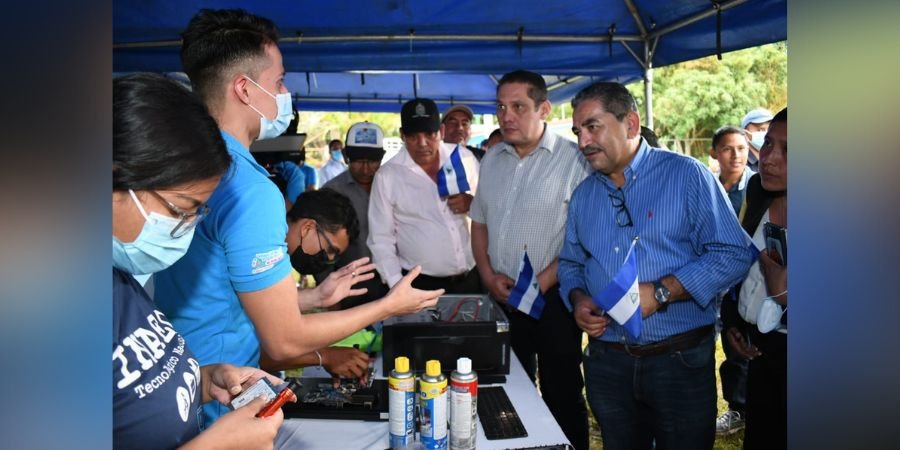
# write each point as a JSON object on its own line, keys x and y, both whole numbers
{"x": 729, "y": 422}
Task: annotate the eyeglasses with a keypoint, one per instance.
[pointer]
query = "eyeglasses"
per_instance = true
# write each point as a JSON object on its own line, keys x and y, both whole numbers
{"x": 330, "y": 251}
{"x": 623, "y": 216}
{"x": 188, "y": 220}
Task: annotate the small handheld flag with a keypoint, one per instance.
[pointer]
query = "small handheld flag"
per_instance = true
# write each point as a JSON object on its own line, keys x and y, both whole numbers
{"x": 621, "y": 299}
{"x": 526, "y": 294}
{"x": 451, "y": 179}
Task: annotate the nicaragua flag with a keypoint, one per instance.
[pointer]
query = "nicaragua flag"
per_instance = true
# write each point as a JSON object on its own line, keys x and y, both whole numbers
{"x": 452, "y": 177}
{"x": 526, "y": 295}
{"x": 620, "y": 299}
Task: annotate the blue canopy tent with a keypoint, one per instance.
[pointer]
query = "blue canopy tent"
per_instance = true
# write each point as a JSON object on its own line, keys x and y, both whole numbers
{"x": 371, "y": 55}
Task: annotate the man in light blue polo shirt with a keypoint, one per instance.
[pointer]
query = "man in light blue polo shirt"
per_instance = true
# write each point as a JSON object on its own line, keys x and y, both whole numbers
{"x": 232, "y": 295}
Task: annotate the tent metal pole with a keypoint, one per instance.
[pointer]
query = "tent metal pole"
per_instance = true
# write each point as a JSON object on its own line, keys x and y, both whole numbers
{"x": 636, "y": 16}
{"x": 635, "y": 55}
{"x": 685, "y": 22}
{"x": 648, "y": 86}
{"x": 390, "y": 100}
{"x": 410, "y": 38}
{"x": 562, "y": 82}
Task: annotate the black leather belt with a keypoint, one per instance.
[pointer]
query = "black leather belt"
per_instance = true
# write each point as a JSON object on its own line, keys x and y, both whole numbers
{"x": 675, "y": 343}
{"x": 449, "y": 279}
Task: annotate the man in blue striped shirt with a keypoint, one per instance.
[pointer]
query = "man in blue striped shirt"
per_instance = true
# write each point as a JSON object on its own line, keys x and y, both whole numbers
{"x": 660, "y": 387}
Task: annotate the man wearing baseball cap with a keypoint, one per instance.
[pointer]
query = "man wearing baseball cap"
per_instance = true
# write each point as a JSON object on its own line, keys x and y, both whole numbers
{"x": 756, "y": 122}
{"x": 456, "y": 126}
{"x": 364, "y": 150}
{"x": 410, "y": 223}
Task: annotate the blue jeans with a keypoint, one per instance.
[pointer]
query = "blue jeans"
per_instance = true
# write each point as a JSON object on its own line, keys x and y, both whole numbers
{"x": 669, "y": 399}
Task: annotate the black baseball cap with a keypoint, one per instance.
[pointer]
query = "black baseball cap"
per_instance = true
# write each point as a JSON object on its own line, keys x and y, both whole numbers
{"x": 419, "y": 114}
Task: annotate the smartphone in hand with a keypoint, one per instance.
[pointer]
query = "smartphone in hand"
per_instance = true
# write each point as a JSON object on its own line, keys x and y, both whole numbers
{"x": 776, "y": 239}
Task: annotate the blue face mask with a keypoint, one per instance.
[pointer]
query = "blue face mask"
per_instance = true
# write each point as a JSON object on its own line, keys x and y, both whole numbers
{"x": 337, "y": 156}
{"x": 757, "y": 138}
{"x": 270, "y": 128}
{"x": 154, "y": 249}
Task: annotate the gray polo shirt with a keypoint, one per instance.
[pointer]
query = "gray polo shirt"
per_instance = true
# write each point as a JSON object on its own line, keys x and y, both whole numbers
{"x": 359, "y": 198}
{"x": 524, "y": 201}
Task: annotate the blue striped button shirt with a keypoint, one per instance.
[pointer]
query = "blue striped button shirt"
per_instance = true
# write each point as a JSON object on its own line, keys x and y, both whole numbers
{"x": 686, "y": 228}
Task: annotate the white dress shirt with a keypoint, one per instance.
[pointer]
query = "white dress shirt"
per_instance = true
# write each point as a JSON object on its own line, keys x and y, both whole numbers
{"x": 409, "y": 224}
{"x": 524, "y": 201}
{"x": 330, "y": 170}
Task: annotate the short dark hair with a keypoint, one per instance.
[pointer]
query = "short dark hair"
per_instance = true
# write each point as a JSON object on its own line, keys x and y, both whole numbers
{"x": 333, "y": 141}
{"x": 163, "y": 136}
{"x": 650, "y": 136}
{"x": 614, "y": 97}
{"x": 330, "y": 209}
{"x": 537, "y": 87}
{"x": 496, "y": 132}
{"x": 216, "y": 42}
{"x": 780, "y": 117}
{"x": 725, "y": 131}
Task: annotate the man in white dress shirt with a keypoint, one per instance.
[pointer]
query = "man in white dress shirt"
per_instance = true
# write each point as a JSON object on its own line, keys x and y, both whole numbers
{"x": 335, "y": 164}
{"x": 409, "y": 222}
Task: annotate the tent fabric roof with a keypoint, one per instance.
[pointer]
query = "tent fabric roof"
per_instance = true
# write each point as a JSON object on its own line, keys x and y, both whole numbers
{"x": 442, "y": 40}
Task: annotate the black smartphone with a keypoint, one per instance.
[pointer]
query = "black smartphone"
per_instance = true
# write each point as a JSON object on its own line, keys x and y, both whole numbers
{"x": 776, "y": 239}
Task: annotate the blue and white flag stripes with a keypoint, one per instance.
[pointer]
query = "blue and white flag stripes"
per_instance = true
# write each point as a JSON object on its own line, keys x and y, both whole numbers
{"x": 621, "y": 299}
{"x": 452, "y": 179}
{"x": 526, "y": 295}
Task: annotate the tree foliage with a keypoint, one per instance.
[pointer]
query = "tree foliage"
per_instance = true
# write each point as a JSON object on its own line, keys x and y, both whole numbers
{"x": 692, "y": 99}
{"x": 322, "y": 127}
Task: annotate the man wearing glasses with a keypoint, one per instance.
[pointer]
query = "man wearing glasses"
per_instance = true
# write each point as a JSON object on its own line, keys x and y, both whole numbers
{"x": 660, "y": 387}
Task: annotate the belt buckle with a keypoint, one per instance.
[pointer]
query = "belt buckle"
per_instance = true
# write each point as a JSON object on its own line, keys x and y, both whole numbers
{"x": 628, "y": 350}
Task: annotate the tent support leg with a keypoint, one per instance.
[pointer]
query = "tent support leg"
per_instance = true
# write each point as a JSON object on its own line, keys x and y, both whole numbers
{"x": 648, "y": 86}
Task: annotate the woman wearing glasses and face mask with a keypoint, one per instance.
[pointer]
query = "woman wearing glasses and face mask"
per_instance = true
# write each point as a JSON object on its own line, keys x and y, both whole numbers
{"x": 168, "y": 157}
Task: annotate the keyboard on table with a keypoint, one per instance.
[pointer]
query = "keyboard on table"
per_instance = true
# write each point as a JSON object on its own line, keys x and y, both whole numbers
{"x": 499, "y": 419}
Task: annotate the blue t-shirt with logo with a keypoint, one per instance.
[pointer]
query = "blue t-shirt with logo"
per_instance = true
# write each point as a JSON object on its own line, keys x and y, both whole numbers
{"x": 239, "y": 247}
{"x": 156, "y": 378}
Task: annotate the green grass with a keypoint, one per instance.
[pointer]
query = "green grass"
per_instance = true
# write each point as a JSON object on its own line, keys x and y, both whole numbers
{"x": 731, "y": 442}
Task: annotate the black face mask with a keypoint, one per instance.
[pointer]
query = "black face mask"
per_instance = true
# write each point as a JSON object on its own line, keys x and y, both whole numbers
{"x": 310, "y": 264}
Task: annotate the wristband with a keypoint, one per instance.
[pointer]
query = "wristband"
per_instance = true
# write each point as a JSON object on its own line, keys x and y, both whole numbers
{"x": 320, "y": 359}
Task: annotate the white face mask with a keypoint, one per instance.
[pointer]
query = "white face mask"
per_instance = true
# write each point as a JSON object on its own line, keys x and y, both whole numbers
{"x": 757, "y": 138}
{"x": 270, "y": 128}
{"x": 154, "y": 249}
{"x": 769, "y": 316}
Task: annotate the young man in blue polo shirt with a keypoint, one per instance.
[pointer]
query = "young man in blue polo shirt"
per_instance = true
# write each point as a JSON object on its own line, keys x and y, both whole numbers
{"x": 232, "y": 295}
